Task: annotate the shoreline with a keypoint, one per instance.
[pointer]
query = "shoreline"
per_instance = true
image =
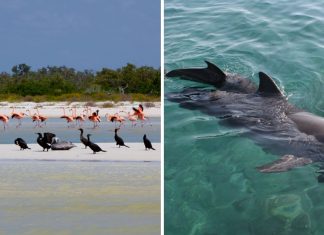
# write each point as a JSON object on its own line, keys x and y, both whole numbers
{"x": 54, "y": 109}
{"x": 136, "y": 153}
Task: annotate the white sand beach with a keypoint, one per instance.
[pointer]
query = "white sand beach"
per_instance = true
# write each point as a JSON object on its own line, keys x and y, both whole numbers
{"x": 136, "y": 152}
{"x": 54, "y": 109}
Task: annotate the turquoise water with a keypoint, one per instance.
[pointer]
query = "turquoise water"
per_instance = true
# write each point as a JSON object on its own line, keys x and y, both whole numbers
{"x": 211, "y": 184}
{"x": 38, "y": 198}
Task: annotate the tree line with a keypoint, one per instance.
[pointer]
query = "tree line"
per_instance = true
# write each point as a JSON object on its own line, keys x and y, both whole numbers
{"x": 56, "y": 81}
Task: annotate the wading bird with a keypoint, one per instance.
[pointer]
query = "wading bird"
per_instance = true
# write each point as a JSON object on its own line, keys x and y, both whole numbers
{"x": 132, "y": 119}
{"x": 69, "y": 119}
{"x": 115, "y": 118}
{"x": 34, "y": 118}
{"x": 5, "y": 120}
{"x": 139, "y": 112}
{"x": 95, "y": 118}
{"x": 41, "y": 117}
{"x": 19, "y": 117}
{"x": 79, "y": 118}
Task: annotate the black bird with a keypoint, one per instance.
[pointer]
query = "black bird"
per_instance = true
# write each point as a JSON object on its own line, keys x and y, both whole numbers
{"x": 42, "y": 142}
{"x": 147, "y": 143}
{"x": 48, "y": 137}
{"x": 119, "y": 140}
{"x": 22, "y": 144}
{"x": 94, "y": 147}
{"x": 83, "y": 139}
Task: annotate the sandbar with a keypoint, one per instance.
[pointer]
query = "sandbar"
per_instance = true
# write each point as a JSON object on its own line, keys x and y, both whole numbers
{"x": 136, "y": 153}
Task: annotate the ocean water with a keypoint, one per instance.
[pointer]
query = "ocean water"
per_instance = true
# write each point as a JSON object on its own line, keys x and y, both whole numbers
{"x": 39, "y": 197}
{"x": 211, "y": 184}
{"x": 103, "y": 133}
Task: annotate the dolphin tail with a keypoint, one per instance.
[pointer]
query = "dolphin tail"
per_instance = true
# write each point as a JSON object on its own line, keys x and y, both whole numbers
{"x": 211, "y": 75}
{"x": 285, "y": 163}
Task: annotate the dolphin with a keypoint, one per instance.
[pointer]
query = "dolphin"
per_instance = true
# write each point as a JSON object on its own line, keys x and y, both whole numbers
{"x": 262, "y": 112}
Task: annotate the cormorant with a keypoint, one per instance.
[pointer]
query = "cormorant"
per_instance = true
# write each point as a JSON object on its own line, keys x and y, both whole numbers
{"x": 42, "y": 142}
{"x": 94, "y": 147}
{"x": 119, "y": 140}
{"x": 147, "y": 143}
{"x": 48, "y": 137}
{"x": 22, "y": 144}
{"x": 83, "y": 139}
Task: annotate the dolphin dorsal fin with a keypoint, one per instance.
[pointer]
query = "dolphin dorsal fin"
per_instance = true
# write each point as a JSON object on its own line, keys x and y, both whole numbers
{"x": 267, "y": 85}
{"x": 216, "y": 70}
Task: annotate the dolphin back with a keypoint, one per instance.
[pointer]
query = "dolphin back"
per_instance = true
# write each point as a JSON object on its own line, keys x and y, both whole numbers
{"x": 211, "y": 75}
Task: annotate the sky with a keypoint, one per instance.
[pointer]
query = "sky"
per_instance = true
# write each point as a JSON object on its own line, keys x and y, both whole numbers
{"x": 83, "y": 34}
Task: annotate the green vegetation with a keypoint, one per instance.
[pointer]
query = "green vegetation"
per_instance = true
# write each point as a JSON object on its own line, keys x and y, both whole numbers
{"x": 129, "y": 83}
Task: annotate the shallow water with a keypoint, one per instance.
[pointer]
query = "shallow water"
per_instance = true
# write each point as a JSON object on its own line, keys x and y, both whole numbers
{"x": 103, "y": 133}
{"x": 79, "y": 198}
{"x": 211, "y": 184}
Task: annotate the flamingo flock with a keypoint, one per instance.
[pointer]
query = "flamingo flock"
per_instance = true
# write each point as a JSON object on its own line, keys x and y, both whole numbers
{"x": 74, "y": 119}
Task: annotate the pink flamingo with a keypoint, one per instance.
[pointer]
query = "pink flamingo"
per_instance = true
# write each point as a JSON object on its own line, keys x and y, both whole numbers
{"x": 19, "y": 116}
{"x": 35, "y": 118}
{"x": 68, "y": 119}
{"x": 139, "y": 112}
{"x": 5, "y": 120}
{"x": 115, "y": 118}
{"x": 131, "y": 118}
{"x": 95, "y": 118}
{"x": 78, "y": 118}
{"x": 41, "y": 117}
{"x": 13, "y": 111}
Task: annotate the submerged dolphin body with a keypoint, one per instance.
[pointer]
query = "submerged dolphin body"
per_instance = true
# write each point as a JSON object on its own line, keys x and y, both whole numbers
{"x": 263, "y": 112}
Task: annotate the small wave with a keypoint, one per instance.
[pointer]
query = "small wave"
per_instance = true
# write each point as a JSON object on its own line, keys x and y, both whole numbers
{"x": 222, "y": 134}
